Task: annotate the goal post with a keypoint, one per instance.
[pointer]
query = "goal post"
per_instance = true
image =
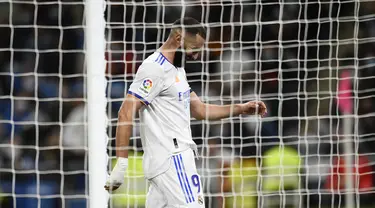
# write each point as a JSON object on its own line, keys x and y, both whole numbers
{"x": 96, "y": 102}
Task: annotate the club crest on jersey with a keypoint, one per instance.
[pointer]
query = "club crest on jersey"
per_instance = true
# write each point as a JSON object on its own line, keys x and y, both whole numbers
{"x": 146, "y": 86}
{"x": 200, "y": 200}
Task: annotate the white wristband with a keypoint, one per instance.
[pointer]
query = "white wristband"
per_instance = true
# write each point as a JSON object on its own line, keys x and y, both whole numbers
{"x": 117, "y": 176}
{"x": 121, "y": 165}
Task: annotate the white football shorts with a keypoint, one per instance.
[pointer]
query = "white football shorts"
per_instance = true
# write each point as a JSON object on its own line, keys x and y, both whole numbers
{"x": 179, "y": 187}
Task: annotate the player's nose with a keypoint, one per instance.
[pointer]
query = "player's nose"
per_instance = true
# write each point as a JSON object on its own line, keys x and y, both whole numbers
{"x": 195, "y": 56}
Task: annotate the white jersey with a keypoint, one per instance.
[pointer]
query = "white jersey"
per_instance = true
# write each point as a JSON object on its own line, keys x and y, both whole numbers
{"x": 165, "y": 117}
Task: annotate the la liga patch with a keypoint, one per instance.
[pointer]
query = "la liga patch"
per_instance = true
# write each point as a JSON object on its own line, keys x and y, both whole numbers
{"x": 146, "y": 86}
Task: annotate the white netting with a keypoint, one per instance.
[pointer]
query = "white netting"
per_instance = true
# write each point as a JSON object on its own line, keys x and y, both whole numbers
{"x": 294, "y": 55}
{"x": 43, "y": 160}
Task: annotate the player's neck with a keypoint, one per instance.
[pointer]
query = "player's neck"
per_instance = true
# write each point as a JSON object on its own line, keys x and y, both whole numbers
{"x": 168, "y": 49}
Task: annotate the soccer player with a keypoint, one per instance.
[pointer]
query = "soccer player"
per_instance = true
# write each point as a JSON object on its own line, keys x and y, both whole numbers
{"x": 162, "y": 95}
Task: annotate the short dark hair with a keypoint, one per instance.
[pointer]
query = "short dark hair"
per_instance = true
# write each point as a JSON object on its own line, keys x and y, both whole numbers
{"x": 190, "y": 25}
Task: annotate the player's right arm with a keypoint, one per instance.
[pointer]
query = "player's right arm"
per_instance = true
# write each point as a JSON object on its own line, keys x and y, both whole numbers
{"x": 126, "y": 114}
{"x": 129, "y": 108}
{"x": 147, "y": 85}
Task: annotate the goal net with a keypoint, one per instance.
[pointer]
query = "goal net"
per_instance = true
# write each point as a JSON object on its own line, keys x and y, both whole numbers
{"x": 311, "y": 62}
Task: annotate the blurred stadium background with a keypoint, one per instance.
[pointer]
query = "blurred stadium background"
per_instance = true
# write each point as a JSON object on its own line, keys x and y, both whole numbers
{"x": 295, "y": 55}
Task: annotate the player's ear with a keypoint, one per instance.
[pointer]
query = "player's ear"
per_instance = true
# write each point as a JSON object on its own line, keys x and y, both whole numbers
{"x": 178, "y": 37}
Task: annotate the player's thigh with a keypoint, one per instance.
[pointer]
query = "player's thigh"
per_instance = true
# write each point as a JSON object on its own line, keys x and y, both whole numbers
{"x": 181, "y": 184}
{"x": 155, "y": 197}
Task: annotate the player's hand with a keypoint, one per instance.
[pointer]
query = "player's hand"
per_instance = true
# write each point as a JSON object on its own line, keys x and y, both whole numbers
{"x": 117, "y": 176}
{"x": 255, "y": 108}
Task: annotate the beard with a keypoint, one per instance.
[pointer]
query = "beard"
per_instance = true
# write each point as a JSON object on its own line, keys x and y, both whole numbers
{"x": 180, "y": 58}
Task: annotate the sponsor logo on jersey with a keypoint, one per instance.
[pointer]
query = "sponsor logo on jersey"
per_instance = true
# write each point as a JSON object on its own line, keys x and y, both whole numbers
{"x": 185, "y": 98}
{"x": 183, "y": 95}
{"x": 146, "y": 86}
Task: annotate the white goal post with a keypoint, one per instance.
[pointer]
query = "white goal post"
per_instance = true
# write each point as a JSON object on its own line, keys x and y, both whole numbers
{"x": 96, "y": 102}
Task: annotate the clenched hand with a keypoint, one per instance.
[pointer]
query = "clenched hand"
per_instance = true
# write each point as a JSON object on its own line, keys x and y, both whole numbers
{"x": 254, "y": 108}
{"x": 117, "y": 176}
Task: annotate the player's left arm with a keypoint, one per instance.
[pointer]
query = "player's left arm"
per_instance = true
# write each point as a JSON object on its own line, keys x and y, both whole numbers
{"x": 203, "y": 111}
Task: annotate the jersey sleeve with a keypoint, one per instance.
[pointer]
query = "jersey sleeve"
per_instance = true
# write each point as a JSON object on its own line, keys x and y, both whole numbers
{"x": 148, "y": 83}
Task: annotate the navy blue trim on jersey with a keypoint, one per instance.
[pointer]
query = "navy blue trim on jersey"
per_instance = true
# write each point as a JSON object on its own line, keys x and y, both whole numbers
{"x": 162, "y": 62}
{"x": 179, "y": 178}
{"x": 161, "y": 59}
{"x": 186, "y": 178}
{"x": 184, "y": 181}
{"x": 165, "y": 58}
{"x": 139, "y": 97}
